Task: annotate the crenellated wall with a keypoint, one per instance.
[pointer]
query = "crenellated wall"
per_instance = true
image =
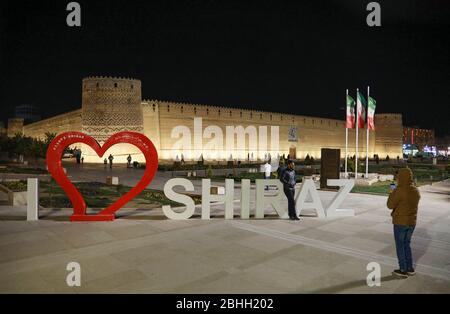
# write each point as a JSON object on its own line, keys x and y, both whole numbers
{"x": 70, "y": 121}
{"x": 150, "y": 112}
{"x": 114, "y": 104}
{"x": 312, "y": 133}
{"x": 389, "y": 135}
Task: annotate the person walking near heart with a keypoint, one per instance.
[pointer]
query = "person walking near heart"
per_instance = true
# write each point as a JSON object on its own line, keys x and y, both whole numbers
{"x": 110, "y": 158}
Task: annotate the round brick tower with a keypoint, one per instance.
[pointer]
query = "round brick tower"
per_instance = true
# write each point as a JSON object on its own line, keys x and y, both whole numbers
{"x": 110, "y": 105}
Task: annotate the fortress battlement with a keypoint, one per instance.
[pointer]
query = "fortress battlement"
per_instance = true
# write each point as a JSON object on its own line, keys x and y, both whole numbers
{"x": 112, "y": 104}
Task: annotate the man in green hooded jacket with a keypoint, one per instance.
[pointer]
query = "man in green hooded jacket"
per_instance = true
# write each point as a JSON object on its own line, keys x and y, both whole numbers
{"x": 404, "y": 201}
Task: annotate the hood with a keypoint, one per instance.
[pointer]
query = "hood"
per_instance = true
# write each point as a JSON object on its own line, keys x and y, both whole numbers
{"x": 404, "y": 177}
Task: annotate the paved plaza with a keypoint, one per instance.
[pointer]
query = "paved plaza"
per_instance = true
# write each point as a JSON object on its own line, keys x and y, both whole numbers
{"x": 144, "y": 252}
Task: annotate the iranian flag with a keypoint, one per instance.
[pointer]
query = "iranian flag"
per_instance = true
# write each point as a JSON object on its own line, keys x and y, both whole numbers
{"x": 371, "y": 113}
{"x": 361, "y": 109}
{"x": 350, "y": 121}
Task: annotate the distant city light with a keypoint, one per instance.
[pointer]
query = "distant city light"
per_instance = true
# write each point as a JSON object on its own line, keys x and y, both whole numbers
{"x": 430, "y": 149}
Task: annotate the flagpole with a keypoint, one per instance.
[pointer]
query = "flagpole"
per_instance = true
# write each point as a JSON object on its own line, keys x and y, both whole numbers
{"x": 357, "y": 127}
{"x": 367, "y": 135}
{"x": 346, "y": 135}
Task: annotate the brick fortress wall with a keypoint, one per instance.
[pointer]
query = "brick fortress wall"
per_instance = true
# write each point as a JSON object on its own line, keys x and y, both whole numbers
{"x": 113, "y": 104}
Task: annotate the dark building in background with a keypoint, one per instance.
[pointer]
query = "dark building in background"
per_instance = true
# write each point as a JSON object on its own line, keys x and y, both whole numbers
{"x": 418, "y": 137}
{"x": 29, "y": 113}
{"x": 3, "y": 130}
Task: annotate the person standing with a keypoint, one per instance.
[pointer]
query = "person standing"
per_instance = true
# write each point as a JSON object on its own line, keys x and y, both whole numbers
{"x": 267, "y": 172}
{"x": 77, "y": 155}
{"x": 288, "y": 180}
{"x": 129, "y": 161}
{"x": 105, "y": 162}
{"x": 110, "y": 158}
{"x": 404, "y": 200}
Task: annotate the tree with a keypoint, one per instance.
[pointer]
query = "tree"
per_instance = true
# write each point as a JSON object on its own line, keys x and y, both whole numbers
{"x": 35, "y": 149}
{"x": 48, "y": 138}
{"x": 351, "y": 166}
{"x": 24, "y": 146}
{"x": 21, "y": 145}
{"x": 6, "y": 144}
{"x": 307, "y": 160}
{"x": 209, "y": 172}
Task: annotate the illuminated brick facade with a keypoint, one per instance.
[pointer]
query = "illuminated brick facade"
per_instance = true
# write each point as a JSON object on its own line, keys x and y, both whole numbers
{"x": 113, "y": 104}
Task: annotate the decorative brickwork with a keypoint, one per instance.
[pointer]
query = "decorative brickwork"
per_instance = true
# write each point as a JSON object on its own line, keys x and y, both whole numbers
{"x": 110, "y": 105}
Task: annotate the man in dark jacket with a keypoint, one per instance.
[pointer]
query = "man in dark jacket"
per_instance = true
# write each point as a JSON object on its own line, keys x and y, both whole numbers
{"x": 110, "y": 158}
{"x": 288, "y": 179}
{"x": 404, "y": 201}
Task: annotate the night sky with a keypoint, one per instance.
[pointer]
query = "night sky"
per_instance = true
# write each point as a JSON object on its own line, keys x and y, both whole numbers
{"x": 284, "y": 56}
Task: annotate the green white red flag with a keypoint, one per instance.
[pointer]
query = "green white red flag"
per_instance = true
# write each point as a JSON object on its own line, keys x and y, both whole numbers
{"x": 350, "y": 121}
{"x": 361, "y": 110}
{"x": 371, "y": 113}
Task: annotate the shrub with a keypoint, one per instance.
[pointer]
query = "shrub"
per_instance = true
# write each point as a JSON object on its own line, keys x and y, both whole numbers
{"x": 209, "y": 172}
{"x": 16, "y": 186}
{"x": 307, "y": 160}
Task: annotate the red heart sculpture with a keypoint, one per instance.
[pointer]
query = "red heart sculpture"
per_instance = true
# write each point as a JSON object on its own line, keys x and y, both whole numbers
{"x": 56, "y": 149}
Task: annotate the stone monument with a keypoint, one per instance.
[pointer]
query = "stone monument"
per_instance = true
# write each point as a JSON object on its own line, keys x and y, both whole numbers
{"x": 329, "y": 166}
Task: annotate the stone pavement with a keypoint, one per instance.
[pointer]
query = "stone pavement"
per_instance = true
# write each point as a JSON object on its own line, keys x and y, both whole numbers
{"x": 142, "y": 251}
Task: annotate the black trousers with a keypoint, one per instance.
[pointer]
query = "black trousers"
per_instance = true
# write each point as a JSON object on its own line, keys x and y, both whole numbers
{"x": 291, "y": 201}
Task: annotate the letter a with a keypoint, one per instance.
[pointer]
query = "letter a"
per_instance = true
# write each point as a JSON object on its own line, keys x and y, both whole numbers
{"x": 374, "y": 277}
{"x": 374, "y": 17}
{"x": 308, "y": 187}
{"x": 74, "y": 17}
{"x": 73, "y": 279}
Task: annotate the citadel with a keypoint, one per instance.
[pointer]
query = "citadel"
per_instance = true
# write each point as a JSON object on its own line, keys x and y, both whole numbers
{"x": 111, "y": 104}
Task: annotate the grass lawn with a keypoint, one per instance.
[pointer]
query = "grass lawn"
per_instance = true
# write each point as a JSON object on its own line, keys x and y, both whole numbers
{"x": 96, "y": 195}
{"x": 381, "y": 188}
{"x": 28, "y": 170}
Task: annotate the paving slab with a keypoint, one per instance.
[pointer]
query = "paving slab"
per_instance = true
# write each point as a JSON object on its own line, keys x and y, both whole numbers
{"x": 143, "y": 252}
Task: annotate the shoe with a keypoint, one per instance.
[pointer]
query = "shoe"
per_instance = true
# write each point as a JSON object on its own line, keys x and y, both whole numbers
{"x": 294, "y": 218}
{"x": 411, "y": 272}
{"x": 400, "y": 273}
